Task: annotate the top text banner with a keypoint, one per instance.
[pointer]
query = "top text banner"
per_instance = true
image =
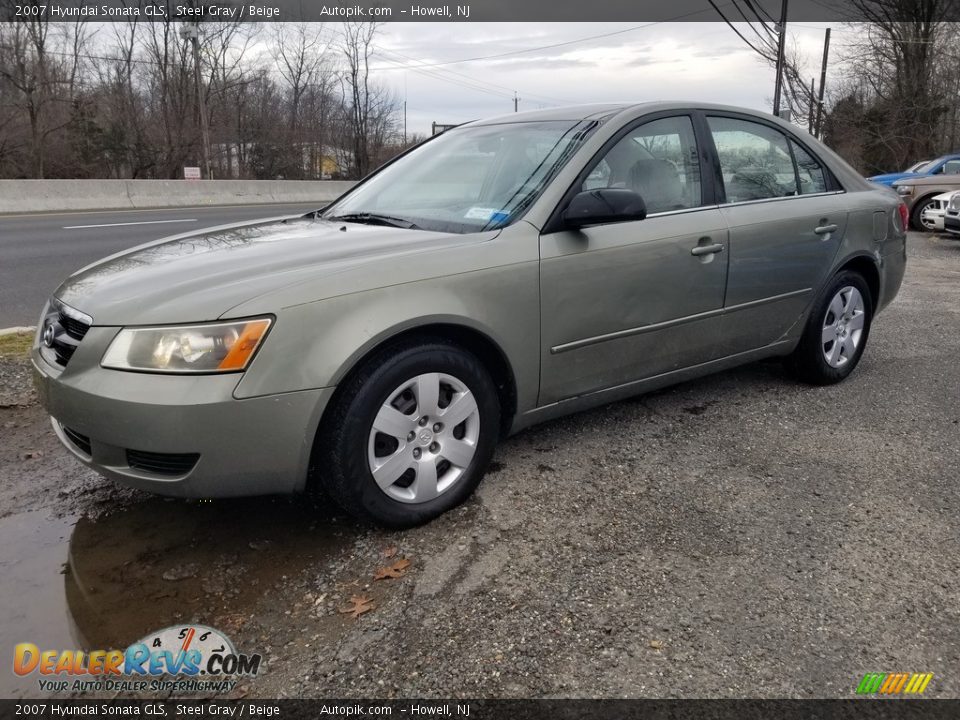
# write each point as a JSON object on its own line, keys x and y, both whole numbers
{"x": 639, "y": 11}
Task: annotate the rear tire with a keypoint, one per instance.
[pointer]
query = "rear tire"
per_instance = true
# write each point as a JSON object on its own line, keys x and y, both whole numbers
{"x": 836, "y": 332}
{"x": 410, "y": 434}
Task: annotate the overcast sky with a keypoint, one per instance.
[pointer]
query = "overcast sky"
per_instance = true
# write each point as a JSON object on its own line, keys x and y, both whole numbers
{"x": 666, "y": 61}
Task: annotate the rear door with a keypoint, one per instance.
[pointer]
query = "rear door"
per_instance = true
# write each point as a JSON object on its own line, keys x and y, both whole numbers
{"x": 786, "y": 215}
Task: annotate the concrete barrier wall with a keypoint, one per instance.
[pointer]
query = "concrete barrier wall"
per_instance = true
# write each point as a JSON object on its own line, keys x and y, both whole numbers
{"x": 24, "y": 196}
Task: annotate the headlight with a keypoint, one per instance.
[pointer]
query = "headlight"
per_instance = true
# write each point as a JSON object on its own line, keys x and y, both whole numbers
{"x": 207, "y": 348}
{"x": 905, "y": 189}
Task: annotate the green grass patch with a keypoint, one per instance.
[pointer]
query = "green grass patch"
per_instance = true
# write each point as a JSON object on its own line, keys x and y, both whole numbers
{"x": 16, "y": 345}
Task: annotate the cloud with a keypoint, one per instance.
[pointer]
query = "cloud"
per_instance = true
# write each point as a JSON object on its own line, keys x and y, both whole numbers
{"x": 696, "y": 61}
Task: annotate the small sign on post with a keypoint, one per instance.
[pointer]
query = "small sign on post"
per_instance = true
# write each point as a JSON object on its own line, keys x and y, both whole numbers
{"x": 437, "y": 128}
{"x": 191, "y": 173}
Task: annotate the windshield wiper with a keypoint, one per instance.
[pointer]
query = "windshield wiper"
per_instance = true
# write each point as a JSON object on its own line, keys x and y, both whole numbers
{"x": 375, "y": 219}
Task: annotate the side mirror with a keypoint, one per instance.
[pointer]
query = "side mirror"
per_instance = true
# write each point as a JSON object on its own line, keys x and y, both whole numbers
{"x": 604, "y": 205}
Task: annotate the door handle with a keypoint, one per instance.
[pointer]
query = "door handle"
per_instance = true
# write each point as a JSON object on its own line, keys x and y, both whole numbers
{"x": 707, "y": 249}
{"x": 825, "y": 229}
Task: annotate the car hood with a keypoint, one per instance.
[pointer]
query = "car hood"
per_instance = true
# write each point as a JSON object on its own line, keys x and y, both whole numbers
{"x": 925, "y": 180}
{"x": 889, "y": 178}
{"x": 202, "y": 275}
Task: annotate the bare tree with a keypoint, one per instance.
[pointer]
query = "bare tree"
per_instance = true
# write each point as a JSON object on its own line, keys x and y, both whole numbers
{"x": 897, "y": 98}
{"x": 303, "y": 61}
{"x": 357, "y": 47}
{"x": 123, "y": 101}
{"x": 39, "y": 62}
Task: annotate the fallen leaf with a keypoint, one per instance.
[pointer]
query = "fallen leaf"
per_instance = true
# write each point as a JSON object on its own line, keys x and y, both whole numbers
{"x": 398, "y": 569}
{"x": 32, "y": 455}
{"x": 181, "y": 572}
{"x": 656, "y": 644}
{"x": 359, "y": 604}
{"x": 233, "y": 622}
{"x": 390, "y": 552}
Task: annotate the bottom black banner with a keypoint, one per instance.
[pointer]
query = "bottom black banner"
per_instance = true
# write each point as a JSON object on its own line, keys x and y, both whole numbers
{"x": 487, "y": 709}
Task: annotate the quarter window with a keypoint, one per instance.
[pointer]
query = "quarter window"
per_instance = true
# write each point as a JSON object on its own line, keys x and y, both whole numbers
{"x": 755, "y": 160}
{"x": 658, "y": 160}
{"x": 812, "y": 177}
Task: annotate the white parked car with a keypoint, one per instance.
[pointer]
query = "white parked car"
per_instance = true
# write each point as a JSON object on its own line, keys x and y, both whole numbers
{"x": 951, "y": 221}
{"x": 932, "y": 216}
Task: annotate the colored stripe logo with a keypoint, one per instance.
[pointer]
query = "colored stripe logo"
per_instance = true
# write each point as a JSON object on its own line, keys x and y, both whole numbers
{"x": 894, "y": 683}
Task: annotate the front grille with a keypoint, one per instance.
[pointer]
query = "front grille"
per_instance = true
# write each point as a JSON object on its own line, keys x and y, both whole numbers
{"x": 81, "y": 442}
{"x": 162, "y": 463}
{"x": 76, "y": 329}
{"x": 63, "y": 329}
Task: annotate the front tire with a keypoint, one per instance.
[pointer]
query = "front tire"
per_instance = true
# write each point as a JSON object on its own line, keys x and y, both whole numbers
{"x": 916, "y": 216}
{"x": 836, "y": 332}
{"x": 410, "y": 434}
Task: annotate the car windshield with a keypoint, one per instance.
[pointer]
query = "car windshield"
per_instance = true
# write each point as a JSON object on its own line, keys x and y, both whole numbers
{"x": 928, "y": 166}
{"x": 473, "y": 178}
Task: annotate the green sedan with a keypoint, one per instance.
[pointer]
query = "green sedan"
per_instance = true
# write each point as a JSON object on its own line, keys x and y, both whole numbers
{"x": 505, "y": 272}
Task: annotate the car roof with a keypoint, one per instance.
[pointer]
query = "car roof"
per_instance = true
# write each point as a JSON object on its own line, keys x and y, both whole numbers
{"x": 625, "y": 110}
{"x": 567, "y": 112}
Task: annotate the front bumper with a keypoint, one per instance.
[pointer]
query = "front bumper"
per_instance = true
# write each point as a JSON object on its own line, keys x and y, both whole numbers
{"x": 951, "y": 223}
{"x": 935, "y": 218}
{"x": 198, "y": 440}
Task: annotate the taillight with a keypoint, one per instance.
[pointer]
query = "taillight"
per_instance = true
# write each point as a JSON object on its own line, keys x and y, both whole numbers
{"x": 904, "y": 216}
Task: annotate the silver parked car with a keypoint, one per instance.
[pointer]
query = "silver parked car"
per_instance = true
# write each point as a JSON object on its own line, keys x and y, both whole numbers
{"x": 503, "y": 273}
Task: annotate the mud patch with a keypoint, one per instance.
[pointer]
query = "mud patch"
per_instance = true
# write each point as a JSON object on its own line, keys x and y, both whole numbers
{"x": 105, "y": 583}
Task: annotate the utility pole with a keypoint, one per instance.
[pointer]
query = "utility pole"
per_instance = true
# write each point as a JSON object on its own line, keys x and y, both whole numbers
{"x": 192, "y": 32}
{"x": 516, "y": 101}
{"x": 810, "y": 114}
{"x": 823, "y": 82}
{"x": 781, "y": 41}
{"x": 404, "y": 123}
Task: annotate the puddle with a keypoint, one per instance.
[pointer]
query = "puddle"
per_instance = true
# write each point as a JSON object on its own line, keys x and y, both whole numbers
{"x": 32, "y": 603}
{"x": 108, "y": 582}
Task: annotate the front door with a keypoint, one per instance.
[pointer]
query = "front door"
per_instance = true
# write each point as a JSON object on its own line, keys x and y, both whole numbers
{"x": 626, "y": 301}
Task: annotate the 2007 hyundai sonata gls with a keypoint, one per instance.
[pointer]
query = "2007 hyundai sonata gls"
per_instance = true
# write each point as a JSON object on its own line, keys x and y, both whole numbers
{"x": 505, "y": 272}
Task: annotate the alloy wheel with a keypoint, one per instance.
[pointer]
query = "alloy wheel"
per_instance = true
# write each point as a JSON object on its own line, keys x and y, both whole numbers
{"x": 423, "y": 438}
{"x": 843, "y": 326}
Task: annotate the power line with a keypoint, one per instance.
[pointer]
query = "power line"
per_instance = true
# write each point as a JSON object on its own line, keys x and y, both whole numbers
{"x": 765, "y": 39}
{"x": 732, "y": 27}
{"x": 761, "y": 9}
{"x": 468, "y": 77}
{"x": 441, "y": 78}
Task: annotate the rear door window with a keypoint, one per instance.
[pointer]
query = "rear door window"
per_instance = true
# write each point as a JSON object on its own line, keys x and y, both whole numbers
{"x": 755, "y": 160}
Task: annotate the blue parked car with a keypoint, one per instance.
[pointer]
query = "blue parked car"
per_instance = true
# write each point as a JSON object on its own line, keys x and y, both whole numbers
{"x": 945, "y": 165}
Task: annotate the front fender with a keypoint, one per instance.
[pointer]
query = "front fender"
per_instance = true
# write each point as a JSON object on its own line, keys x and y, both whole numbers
{"x": 316, "y": 344}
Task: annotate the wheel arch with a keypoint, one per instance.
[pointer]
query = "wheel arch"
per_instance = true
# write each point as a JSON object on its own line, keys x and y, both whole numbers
{"x": 866, "y": 266}
{"x": 451, "y": 331}
{"x": 460, "y": 334}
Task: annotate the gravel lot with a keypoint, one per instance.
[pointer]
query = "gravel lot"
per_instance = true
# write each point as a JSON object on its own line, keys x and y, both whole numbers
{"x": 738, "y": 536}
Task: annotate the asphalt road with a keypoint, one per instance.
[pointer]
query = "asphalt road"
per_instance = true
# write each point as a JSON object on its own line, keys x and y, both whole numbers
{"x": 742, "y": 535}
{"x": 37, "y": 251}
